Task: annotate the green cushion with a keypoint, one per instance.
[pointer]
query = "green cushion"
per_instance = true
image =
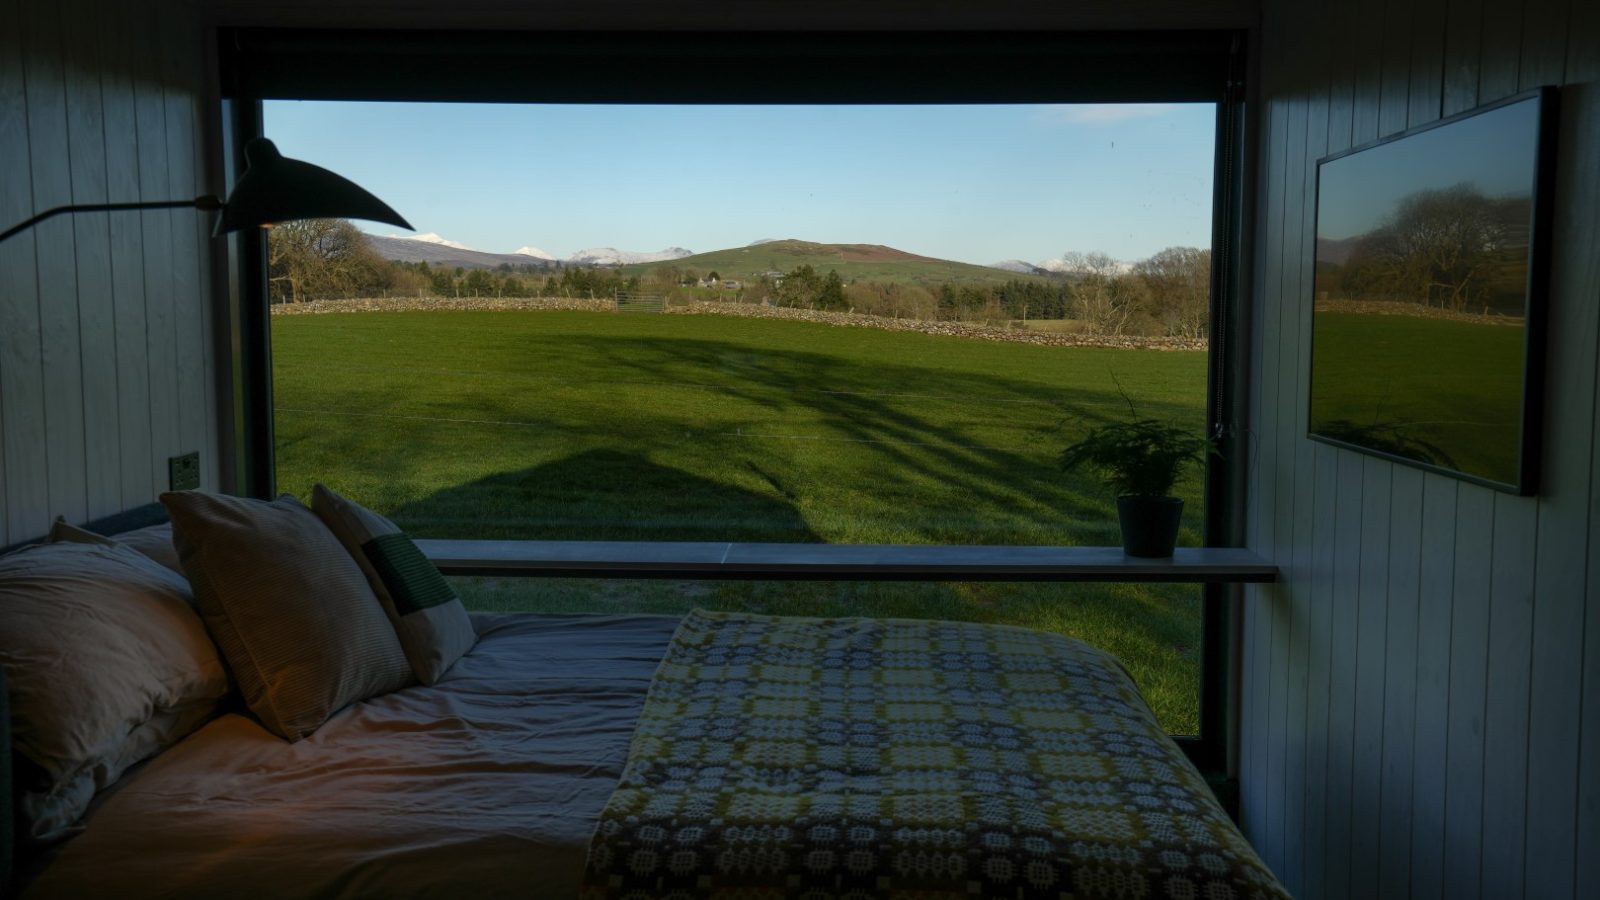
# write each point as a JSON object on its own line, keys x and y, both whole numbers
{"x": 413, "y": 582}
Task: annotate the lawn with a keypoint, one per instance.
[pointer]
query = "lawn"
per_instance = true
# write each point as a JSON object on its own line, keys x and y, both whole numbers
{"x": 1439, "y": 390}
{"x": 643, "y": 427}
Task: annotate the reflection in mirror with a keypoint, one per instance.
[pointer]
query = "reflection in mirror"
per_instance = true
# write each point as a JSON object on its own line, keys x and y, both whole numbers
{"x": 1423, "y": 256}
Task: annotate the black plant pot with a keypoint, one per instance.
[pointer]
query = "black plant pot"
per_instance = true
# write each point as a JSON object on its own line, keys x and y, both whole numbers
{"x": 1149, "y": 525}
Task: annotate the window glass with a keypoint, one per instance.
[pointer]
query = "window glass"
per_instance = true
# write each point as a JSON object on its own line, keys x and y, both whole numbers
{"x": 837, "y": 324}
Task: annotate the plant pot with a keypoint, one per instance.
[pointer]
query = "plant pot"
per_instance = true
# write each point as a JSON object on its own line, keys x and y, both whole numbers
{"x": 1149, "y": 525}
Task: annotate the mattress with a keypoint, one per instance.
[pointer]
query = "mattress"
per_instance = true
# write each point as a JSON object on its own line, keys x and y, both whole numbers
{"x": 490, "y": 782}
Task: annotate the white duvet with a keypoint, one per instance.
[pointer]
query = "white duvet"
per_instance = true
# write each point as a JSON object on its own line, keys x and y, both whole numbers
{"x": 488, "y": 784}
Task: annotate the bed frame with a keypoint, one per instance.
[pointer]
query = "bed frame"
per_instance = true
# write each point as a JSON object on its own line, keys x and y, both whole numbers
{"x": 14, "y": 854}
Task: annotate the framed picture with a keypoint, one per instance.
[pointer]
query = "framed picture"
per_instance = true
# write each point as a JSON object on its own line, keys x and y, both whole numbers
{"x": 1429, "y": 288}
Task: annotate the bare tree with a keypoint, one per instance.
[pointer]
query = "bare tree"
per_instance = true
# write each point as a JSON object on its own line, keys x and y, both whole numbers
{"x": 1101, "y": 295}
{"x": 1439, "y": 246}
{"x": 317, "y": 258}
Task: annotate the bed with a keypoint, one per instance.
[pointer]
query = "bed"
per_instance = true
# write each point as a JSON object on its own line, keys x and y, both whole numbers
{"x": 713, "y": 755}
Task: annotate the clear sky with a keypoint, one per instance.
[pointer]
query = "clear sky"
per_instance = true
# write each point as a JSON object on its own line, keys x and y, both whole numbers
{"x": 971, "y": 183}
{"x": 1494, "y": 152}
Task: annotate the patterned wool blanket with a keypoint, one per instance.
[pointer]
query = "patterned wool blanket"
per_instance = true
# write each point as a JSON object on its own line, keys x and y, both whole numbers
{"x": 861, "y": 758}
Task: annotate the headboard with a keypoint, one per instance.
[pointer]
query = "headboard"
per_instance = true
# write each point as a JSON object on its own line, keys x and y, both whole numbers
{"x": 12, "y": 852}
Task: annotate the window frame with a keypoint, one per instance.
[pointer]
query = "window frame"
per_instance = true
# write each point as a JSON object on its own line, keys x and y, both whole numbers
{"x": 258, "y": 64}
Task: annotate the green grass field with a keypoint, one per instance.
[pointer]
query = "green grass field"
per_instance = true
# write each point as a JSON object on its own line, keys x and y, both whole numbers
{"x": 595, "y": 425}
{"x": 1446, "y": 391}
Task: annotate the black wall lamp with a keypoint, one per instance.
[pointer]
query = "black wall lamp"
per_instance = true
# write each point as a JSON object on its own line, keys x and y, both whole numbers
{"x": 273, "y": 189}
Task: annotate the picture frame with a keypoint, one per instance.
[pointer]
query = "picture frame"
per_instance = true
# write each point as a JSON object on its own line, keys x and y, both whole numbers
{"x": 1431, "y": 270}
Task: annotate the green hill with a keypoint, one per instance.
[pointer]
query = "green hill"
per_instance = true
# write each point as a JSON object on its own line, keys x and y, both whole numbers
{"x": 854, "y": 262}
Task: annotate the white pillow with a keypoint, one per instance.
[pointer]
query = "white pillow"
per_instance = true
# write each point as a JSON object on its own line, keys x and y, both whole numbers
{"x": 154, "y": 541}
{"x": 108, "y": 664}
{"x": 432, "y": 623}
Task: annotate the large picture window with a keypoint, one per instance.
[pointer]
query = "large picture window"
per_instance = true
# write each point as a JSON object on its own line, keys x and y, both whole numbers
{"x": 790, "y": 316}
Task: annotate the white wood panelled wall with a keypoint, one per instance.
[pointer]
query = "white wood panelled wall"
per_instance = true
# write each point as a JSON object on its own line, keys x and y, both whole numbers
{"x": 105, "y": 369}
{"x": 1421, "y": 693}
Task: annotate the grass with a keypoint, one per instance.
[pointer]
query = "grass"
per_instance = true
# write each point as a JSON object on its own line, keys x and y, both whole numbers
{"x": 1453, "y": 386}
{"x": 604, "y": 426}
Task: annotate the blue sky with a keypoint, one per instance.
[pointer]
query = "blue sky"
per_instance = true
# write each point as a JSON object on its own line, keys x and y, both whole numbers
{"x": 1492, "y": 151}
{"x": 971, "y": 183}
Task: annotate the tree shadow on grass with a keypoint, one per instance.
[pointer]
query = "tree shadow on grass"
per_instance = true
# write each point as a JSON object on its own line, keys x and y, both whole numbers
{"x": 663, "y": 436}
{"x": 603, "y": 495}
{"x": 908, "y": 427}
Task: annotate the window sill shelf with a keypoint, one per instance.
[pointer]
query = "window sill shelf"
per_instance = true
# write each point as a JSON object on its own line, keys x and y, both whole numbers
{"x": 863, "y": 562}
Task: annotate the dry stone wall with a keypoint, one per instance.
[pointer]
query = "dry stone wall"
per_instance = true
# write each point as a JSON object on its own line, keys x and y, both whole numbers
{"x": 746, "y": 310}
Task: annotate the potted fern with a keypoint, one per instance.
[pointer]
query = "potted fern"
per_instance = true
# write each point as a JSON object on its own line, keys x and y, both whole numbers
{"x": 1140, "y": 460}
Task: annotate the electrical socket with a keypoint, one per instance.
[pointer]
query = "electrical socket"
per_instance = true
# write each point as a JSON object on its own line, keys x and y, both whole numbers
{"x": 183, "y": 472}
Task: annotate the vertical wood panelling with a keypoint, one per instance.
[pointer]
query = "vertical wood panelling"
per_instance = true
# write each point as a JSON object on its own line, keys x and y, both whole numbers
{"x": 1394, "y": 71}
{"x": 1366, "y": 50}
{"x": 1263, "y": 599}
{"x": 1555, "y": 701}
{"x": 22, "y": 446}
{"x": 1314, "y": 828}
{"x": 1427, "y": 62}
{"x": 1372, "y": 617}
{"x": 92, "y": 243}
{"x": 1449, "y": 654}
{"x": 127, "y": 262}
{"x": 188, "y": 316}
{"x": 1304, "y": 526}
{"x": 1282, "y": 510}
{"x": 1583, "y": 69}
{"x": 96, "y": 307}
{"x": 1462, "y": 45}
{"x": 1469, "y": 678}
{"x": 1500, "y": 50}
{"x": 1342, "y": 674}
{"x": 60, "y": 353}
{"x": 1430, "y": 748}
{"x": 1505, "y": 724}
{"x": 1399, "y": 685}
{"x": 150, "y": 122}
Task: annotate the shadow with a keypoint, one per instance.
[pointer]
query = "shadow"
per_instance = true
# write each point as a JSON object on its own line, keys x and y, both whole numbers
{"x": 675, "y": 433}
{"x": 599, "y": 495}
{"x": 907, "y": 427}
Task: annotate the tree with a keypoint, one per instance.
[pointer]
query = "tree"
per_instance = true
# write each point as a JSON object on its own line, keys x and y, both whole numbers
{"x": 319, "y": 258}
{"x": 830, "y": 294}
{"x": 799, "y": 288}
{"x": 1101, "y": 295}
{"x": 1439, "y": 246}
{"x": 1179, "y": 282}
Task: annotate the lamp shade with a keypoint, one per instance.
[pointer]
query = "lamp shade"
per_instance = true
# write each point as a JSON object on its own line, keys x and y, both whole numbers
{"x": 276, "y": 189}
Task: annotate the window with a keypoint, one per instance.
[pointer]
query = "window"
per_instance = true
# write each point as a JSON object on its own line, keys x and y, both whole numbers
{"x": 862, "y": 375}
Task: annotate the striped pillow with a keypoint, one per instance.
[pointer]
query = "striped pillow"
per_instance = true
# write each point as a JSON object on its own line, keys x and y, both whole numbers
{"x": 294, "y": 616}
{"x": 433, "y": 626}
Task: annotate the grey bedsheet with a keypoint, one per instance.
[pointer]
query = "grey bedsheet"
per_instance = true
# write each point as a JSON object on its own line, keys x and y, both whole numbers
{"x": 488, "y": 784}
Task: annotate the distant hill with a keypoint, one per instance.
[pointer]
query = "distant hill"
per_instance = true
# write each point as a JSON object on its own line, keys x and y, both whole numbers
{"x": 1337, "y": 251}
{"x": 416, "y": 250}
{"x": 865, "y": 262}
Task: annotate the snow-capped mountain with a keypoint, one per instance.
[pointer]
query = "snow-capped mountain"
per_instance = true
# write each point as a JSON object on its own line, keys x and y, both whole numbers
{"x": 1016, "y": 265}
{"x": 533, "y": 251}
{"x": 1057, "y": 266}
{"x": 431, "y": 238}
{"x": 611, "y": 256}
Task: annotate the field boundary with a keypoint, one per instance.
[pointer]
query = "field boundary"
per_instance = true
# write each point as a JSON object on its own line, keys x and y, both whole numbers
{"x": 749, "y": 311}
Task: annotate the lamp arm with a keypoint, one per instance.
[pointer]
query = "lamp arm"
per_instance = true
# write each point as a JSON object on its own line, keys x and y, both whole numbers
{"x": 205, "y": 202}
